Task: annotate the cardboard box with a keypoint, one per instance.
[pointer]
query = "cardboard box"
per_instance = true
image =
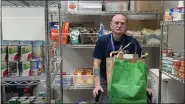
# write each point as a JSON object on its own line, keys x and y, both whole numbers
{"x": 148, "y": 5}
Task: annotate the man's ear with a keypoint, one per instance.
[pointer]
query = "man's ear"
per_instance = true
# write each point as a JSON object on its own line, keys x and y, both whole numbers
{"x": 111, "y": 25}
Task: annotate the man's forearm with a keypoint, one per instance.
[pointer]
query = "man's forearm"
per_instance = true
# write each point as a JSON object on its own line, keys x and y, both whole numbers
{"x": 97, "y": 76}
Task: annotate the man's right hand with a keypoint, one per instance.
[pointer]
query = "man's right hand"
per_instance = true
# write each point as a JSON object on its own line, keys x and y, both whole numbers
{"x": 96, "y": 89}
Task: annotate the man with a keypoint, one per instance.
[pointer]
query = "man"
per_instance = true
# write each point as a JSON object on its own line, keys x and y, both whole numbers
{"x": 112, "y": 42}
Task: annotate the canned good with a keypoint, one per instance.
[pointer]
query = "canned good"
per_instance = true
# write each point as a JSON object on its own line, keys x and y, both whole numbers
{"x": 52, "y": 101}
{"x": 58, "y": 101}
{"x": 25, "y": 102}
{"x": 38, "y": 102}
{"x": 13, "y": 69}
{"x": 176, "y": 64}
{"x": 12, "y": 101}
{"x": 19, "y": 101}
{"x": 32, "y": 97}
{"x": 23, "y": 97}
{"x": 40, "y": 97}
{"x": 15, "y": 97}
{"x": 167, "y": 52}
{"x": 26, "y": 52}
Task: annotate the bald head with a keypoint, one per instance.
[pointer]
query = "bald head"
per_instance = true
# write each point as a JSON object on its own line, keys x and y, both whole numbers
{"x": 118, "y": 25}
{"x": 119, "y": 17}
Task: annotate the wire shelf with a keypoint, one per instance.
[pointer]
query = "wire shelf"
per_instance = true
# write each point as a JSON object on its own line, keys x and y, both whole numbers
{"x": 104, "y": 13}
{"x": 173, "y": 76}
{"x": 82, "y": 87}
{"x": 93, "y": 45}
{"x": 172, "y": 22}
{"x": 29, "y": 3}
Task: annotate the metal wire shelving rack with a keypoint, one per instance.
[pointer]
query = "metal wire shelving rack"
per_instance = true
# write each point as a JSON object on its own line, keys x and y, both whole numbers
{"x": 161, "y": 71}
{"x": 48, "y": 77}
{"x": 46, "y": 4}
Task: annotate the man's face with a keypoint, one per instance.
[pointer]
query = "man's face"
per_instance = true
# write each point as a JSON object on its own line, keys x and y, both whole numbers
{"x": 118, "y": 25}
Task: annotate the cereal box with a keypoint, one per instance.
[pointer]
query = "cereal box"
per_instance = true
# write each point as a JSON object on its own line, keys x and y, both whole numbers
{"x": 3, "y": 53}
{"x": 26, "y": 52}
{"x": 4, "y": 69}
{"x": 13, "y": 69}
{"x": 25, "y": 68}
{"x": 38, "y": 50}
{"x": 13, "y": 53}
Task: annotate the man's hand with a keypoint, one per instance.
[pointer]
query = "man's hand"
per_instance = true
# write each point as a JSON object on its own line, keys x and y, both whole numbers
{"x": 96, "y": 89}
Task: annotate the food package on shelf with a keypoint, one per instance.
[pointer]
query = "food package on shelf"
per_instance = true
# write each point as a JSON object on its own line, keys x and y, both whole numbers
{"x": 178, "y": 14}
{"x": 25, "y": 68}
{"x": 82, "y": 33}
{"x": 83, "y": 77}
{"x": 13, "y": 69}
{"x": 38, "y": 50}
{"x": 13, "y": 54}
{"x": 4, "y": 69}
{"x": 146, "y": 5}
{"x": 97, "y": 7}
{"x": 168, "y": 16}
{"x": 3, "y": 53}
{"x": 72, "y": 6}
{"x": 151, "y": 37}
{"x": 67, "y": 79}
{"x": 181, "y": 70}
{"x": 25, "y": 52}
{"x": 53, "y": 47}
{"x": 116, "y": 5}
{"x": 135, "y": 34}
{"x": 36, "y": 67}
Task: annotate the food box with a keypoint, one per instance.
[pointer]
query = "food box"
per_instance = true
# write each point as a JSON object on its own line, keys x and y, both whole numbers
{"x": 4, "y": 69}
{"x": 116, "y": 5}
{"x": 147, "y": 5}
{"x": 13, "y": 69}
{"x": 26, "y": 52}
{"x": 83, "y": 80}
{"x": 36, "y": 67}
{"x": 3, "y": 53}
{"x": 168, "y": 14}
{"x": 85, "y": 7}
{"x": 38, "y": 50}
{"x": 25, "y": 68}
{"x": 13, "y": 54}
{"x": 67, "y": 79}
{"x": 83, "y": 77}
{"x": 178, "y": 14}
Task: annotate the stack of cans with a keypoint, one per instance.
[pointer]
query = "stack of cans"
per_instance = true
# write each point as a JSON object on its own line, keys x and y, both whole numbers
{"x": 26, "y": 100}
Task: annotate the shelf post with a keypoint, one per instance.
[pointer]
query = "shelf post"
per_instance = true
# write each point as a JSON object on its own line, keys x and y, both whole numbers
{"x": 60, "y": 46}
{"x": 160, "y": 68}
{"x": 48, "y": 76}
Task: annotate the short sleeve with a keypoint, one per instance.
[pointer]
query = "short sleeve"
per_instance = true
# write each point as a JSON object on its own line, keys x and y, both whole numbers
{"x": 99, "y": 49}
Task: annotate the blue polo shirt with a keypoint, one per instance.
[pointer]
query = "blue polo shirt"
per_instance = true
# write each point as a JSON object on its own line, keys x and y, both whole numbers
{"x": 104, "y": 47}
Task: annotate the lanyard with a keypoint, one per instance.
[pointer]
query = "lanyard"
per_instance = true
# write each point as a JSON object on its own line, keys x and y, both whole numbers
{"x": 112, "y": 43}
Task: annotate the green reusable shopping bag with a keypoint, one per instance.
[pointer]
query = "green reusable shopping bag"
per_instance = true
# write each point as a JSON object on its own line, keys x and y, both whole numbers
{"x": 128, "y": 82}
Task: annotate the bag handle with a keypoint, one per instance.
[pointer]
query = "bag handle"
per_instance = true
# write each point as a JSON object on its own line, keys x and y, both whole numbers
{"x": 121, "y": 51}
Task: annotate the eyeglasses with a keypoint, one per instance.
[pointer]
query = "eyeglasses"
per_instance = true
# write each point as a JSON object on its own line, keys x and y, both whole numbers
{"x": 117, "y": 23}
